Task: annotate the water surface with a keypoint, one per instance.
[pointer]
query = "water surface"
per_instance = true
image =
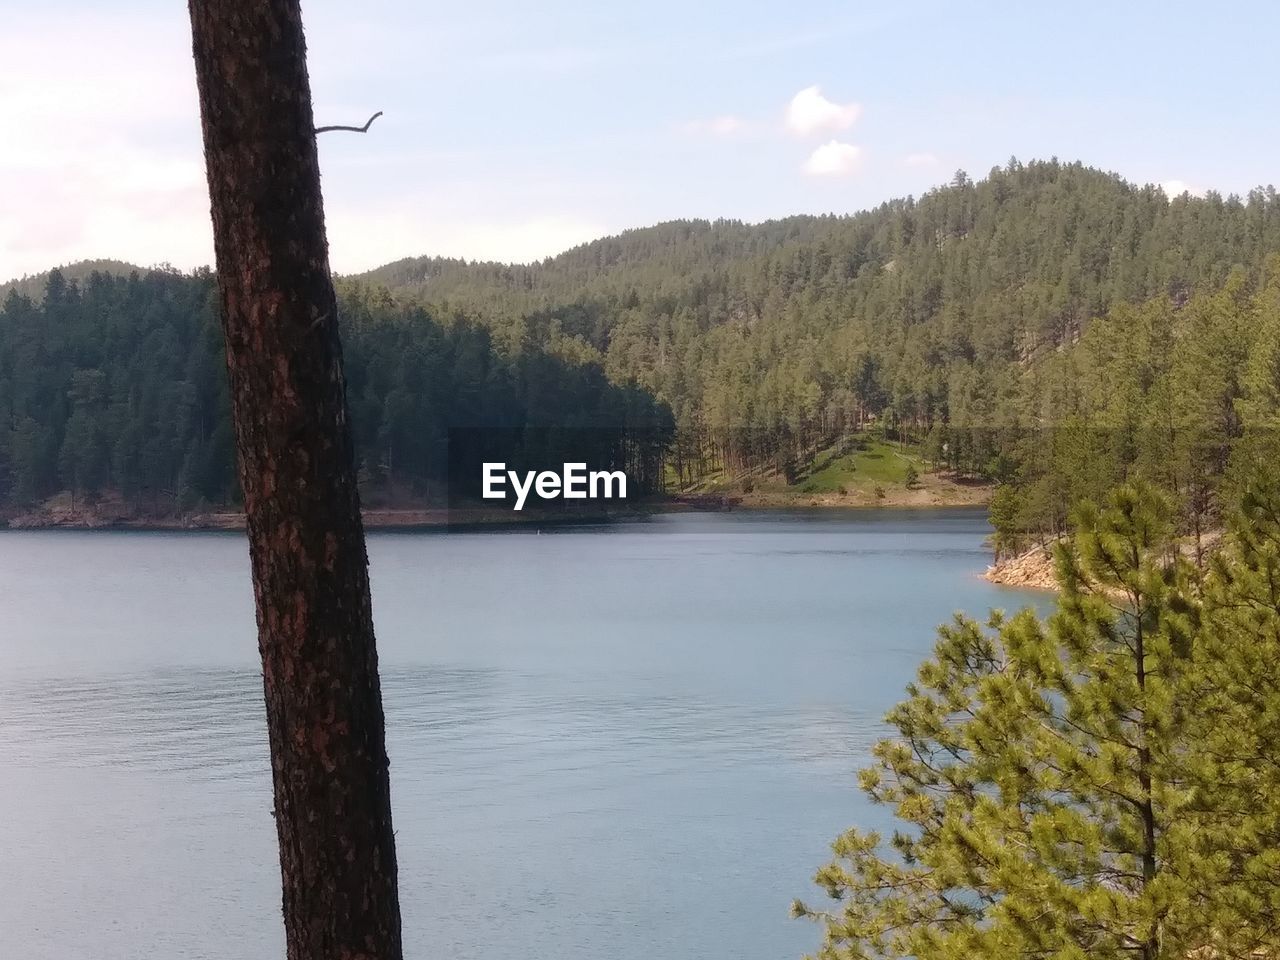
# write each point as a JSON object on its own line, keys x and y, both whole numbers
{"x": 632, "y": 742}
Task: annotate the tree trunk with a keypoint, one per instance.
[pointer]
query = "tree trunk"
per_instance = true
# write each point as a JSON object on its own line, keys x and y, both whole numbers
{"x": 297, "y": 469}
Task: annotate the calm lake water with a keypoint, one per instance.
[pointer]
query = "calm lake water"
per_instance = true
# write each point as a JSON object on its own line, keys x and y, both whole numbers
{"x": 634, "y": 742}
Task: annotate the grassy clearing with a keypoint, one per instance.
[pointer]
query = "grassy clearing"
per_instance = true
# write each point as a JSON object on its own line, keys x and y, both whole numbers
{"x": 863, "y": 465}
{"x": 863, "y": 468}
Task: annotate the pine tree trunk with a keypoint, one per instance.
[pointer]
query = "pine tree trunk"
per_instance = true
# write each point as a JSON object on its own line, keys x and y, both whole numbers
{"x": 1150, "y": 947}
{"x": 297, "y": 469}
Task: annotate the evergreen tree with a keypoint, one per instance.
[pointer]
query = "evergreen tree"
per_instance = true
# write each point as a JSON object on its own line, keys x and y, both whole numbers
{"x": 1038, "y": 775}
{"x": 120, "y": 386}
{"x": 1237, "y": 732}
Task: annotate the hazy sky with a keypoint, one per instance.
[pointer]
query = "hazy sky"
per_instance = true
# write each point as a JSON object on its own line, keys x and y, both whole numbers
{"x": 513, "y": 130}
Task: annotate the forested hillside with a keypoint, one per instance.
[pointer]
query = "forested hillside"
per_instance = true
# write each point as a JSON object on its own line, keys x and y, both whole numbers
{"x": 1051, "y": 326}
{"x": 117, "y": 385}
{"x": 954, "y": 319}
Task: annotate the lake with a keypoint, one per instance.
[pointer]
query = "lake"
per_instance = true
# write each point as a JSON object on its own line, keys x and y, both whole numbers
{"x": 632, "y": 742}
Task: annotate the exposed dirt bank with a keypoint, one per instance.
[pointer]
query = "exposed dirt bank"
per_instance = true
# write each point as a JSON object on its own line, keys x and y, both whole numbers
{"x": 1033, "y": 569}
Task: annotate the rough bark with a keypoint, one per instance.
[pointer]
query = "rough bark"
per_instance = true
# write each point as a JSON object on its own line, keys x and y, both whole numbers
{"x": 296, "y": 461}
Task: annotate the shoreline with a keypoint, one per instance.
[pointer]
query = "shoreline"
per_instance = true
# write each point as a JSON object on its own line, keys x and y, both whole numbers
{"x": 932, "y": 491}
{"x": 1036, "y": 568}
{"x": 379, "y": 519}
{"x": 478, "y": 518}
{"x": 1033, "y": 569}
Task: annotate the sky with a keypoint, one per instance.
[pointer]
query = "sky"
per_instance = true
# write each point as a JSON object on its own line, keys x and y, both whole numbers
{"x": 515, "y": 130}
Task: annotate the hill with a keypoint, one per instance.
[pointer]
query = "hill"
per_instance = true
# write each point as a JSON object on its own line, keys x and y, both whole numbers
{"x": 33, "y": 285}
{"x": 1028, "y": 328}
{"x": 946, "y": 322}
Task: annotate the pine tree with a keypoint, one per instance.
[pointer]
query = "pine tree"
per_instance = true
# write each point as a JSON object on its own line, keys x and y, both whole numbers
{"x": 1005, "y": 514}
{"x": 1037, "y": 774}
{"x": 1237, "y": 732}
{"x": 297, "y": 460}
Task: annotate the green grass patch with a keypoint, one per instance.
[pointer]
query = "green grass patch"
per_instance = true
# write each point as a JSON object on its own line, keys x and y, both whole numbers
{"x": 867, "y": 464}
{"x": 855, "y": 464}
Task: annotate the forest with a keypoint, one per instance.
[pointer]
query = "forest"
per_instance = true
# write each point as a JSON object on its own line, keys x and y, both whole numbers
{"x": 1052, "y": 328}
{"x": 118, "y": 384}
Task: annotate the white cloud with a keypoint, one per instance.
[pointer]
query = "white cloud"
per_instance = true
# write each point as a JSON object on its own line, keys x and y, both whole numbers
{"x": 833, "y": 159}
{"x": 1176, "y": 188}
{"x": 921, "y": 160}
{"x": 810, "y": 112}
{"x": 722, "y": 126}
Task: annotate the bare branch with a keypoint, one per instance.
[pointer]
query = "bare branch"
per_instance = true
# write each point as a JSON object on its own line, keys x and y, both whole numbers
{"x": 365, "y": 129}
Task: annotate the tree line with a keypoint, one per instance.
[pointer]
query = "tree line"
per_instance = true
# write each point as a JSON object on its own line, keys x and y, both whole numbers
{"x": 118, "y": 384}
{"x": 1184, "y": 394}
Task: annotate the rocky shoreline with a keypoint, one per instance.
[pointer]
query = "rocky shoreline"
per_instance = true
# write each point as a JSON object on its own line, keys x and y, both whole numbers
{"x": 1033, "y": 569}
